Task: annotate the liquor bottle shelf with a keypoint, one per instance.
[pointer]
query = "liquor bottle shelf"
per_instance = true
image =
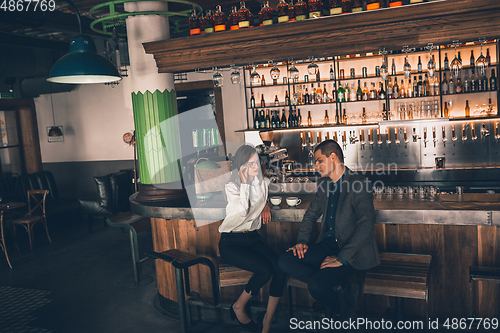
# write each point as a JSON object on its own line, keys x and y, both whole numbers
{"x": 291, "y": 84}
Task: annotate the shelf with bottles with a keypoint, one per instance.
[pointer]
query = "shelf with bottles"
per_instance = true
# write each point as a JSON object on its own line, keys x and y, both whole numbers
{"x": 368, "y": 77}
{"x": 307, "y": 128}
{"x": 291, "y": 84}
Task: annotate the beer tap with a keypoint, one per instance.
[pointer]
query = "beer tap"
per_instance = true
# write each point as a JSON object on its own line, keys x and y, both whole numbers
{"x": 425, "y": 137}
{"x": 484, "y": 131}
{"x": 352, "y": 137}
{"x": 379, "y": 138}
{"x": 415, "y": 135}
{"x": 370, "y": 137}
{"x": 453, "y": 135}
{"x": 335, "y": 136}
{"x": 405, "y": 135}
{"x": 434, "y": 136}
{"x": 311, "y": 139}
{"x": 328, "y": 136}
{"x": 344, "y": 140}
{"x": 388, "y": 136}
{"x": 473, "y": 131}
{"x": 443, "y": 133}
{"x": 303, "y": 139}
{"x": 497, "y": 131}
{"x": 396, "y": 137}
{"x": 319, "y": 137}
{"x": 464, "y": 133}
{"x": 362, "y": 139}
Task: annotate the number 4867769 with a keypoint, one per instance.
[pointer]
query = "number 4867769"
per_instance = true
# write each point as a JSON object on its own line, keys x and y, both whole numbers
{"x": 471, "y": 323}
{"x": 27, "y": 5}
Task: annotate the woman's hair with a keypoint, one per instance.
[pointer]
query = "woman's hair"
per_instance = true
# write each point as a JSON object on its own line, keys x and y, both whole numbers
{"x": 241, "y": 157}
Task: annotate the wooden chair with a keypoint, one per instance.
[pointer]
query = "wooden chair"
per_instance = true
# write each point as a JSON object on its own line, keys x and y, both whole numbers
{"x": 482, "y": 273}
{"x": 400, "y": 275}
{"x": 2, "y": 236}
{"x": 230, "y": 276}
{"x": 35, "y": 214}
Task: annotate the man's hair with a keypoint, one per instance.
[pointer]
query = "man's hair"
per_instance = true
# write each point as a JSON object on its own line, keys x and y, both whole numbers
{"x": 328, "y": 147}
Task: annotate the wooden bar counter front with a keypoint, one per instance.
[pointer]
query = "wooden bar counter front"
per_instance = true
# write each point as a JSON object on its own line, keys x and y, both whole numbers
{"x": 458, "y": 231}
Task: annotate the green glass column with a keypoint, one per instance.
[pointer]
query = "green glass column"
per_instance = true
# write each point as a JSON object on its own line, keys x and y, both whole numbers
{"x": 158, "y": 138}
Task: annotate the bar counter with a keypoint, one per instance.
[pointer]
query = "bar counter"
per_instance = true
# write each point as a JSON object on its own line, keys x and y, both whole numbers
{"x": 458, "y": 231}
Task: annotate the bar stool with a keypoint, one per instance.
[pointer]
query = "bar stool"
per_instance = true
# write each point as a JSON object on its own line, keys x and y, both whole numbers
{"x": 182, "y": 260}
{"x": 482, "y": 273}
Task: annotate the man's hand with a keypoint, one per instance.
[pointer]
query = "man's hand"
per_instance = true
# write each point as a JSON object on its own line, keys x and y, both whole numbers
{"x": 266, "y": 214}
{"x": 299, "y": 249}
{"x": 331, "y": 261}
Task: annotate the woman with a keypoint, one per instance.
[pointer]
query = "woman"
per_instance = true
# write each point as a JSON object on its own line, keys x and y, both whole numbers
{"x": 240, "y": 245}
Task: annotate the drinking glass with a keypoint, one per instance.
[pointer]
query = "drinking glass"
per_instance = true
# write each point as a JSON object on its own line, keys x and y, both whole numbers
{"x": 456, "y": 64}
{"x": 255, "y": 77}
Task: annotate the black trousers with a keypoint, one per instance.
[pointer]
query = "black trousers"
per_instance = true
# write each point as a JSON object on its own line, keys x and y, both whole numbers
{"x": 320, "y": 282}
{"x": 247, "y": 251}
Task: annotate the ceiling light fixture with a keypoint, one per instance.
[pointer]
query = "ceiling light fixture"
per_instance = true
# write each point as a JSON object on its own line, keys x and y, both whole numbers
{"x": 82, "y": 65}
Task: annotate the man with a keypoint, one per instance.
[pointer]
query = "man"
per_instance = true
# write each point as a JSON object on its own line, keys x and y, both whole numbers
{"x": 346, "y": 242}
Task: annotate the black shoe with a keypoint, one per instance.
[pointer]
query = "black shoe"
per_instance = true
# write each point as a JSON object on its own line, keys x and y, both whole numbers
{"x": 251, "y": 326}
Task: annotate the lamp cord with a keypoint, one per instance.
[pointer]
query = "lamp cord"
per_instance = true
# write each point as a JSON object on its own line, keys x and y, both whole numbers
{"x": 77, "y": 15}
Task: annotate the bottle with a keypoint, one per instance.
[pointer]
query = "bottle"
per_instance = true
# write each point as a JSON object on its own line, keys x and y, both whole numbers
{"x": 299, "y": 119}
{"x": 244, "y": 15}
{"x": 352, "y": 93}
{"x": 356, "y": 6}
{"x": 473, "y": 82}
{"x": 446, "y": 111}
{"x": 315, "y": 8}
{"x": 266, "y": 14}
{"x": 426, "y": 86}
{"x": 415, "y": 86}
{"x": 194, "y": 24}
{"x": 263, "y": 81}
{"x": 347, "y": 93}
{"x": 472, "y": 59}
{"x": 319, "y": 94}
{"x": 488, "y": 58}
{"x": 300, "y": 10}
{"x": 312, "y": 96}
{"x": 262, "y": 101}
{"x": 326, "y": 98}
{"x": 493, "y": 81}
{"x": 306, "y": 97}
{"x": 420, "y": 86}
{"x": 444, "y": 85}
{"x": 363, "y": 116}
{"x": 480, "y": 84}
{"x": 283, "y": 121}
{"x": 233, "y": 19}
{"x": 334, "y": 94}
{"x": 466, "y": 85}
{"x": 389, "y": 90}
{"x": 291, "y": 12}
{"x": 372, "y": 4}
{"x": 381, "y": 93}
{"x": 327, "y": 119}
{"x": 395, "y": 88}
{"x": 335, "y": 7}
{"x": 485, "y": 82}
{"x": 344, "y": 118}
{"x": 432, "y": 90}
{"x": 219, "y": 19}
{"x": 256, "y": 120}
{"x": 262, "y": 120}
{"x": 208, "y": 22}
{"x": 268, "y": 119}
{"x": 340, "y": 94}
{"x": 395, "y": 3}
{"x": 446, "y": 62}
{"x": 402, "y": 90}
{"x": 366, "y": 93}
{"x": 458, "y": 88}
{"x": 467, "y": 109}
{"x": 373, "y": 92}
{"x": 436, "y": 86}
{"x": 384, "y": 112}
{"x": 287, "y": 98}
{"x": 276, "y": 101}
{"x": 291, "y": 121}
{"x": 359, "y": 92}
{"x": 252, "y": 101}
{"x": 273, "y": 119}
{"x": 331, "y": 72}
{"x": 282, "y": 10}
{"x": 419, "y": 66}
{"x": 409, "y": 90}
{"x": 393, "y": 68}
{"x": 346, "y": 6}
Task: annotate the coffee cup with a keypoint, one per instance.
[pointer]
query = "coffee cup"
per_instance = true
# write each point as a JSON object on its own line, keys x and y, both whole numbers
{"x": 293, "y": 201}
{"x": 275, "y": 200}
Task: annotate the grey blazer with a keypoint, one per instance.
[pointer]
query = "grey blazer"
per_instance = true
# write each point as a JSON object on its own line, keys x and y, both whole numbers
{"x": 354, "y": 220}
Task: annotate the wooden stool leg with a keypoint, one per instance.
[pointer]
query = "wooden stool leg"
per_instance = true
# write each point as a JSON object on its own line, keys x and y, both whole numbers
{"x": 47, "y": 230}
{"x": 290, "y": 302}
{"x": 30, "y": 235}
{"x": 135, "y": 256}
{"x": 181, "y": 300}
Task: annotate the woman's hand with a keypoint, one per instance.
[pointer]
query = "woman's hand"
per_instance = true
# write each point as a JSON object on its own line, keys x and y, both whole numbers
{"x": 243, "y": 172}
{"x": 266, "y": 214}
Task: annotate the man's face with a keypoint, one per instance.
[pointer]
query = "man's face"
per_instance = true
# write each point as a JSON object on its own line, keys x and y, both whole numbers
{"x": 324, "y": 165}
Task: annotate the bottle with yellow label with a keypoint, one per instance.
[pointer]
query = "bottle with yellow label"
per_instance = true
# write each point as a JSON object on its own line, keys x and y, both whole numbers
{"x": 266, "y": 15}
{"x": 282, "y": 10}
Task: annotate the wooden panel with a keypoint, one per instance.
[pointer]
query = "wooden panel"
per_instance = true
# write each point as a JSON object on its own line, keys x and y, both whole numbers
{"x": 438, "y": 22}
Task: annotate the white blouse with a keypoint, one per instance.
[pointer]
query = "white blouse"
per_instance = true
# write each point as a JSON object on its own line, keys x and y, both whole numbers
{"x": 244, "y": 205}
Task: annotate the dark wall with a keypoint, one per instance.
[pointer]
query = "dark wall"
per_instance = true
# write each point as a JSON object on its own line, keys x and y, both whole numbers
{"x": 76, "y": 179}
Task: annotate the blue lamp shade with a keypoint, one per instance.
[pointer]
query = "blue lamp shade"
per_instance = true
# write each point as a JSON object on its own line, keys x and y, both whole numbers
{"x": 83, "y": 65}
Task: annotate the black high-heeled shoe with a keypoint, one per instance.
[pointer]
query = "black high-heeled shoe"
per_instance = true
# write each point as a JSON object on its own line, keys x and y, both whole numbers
{"x": 251, "y": 326}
